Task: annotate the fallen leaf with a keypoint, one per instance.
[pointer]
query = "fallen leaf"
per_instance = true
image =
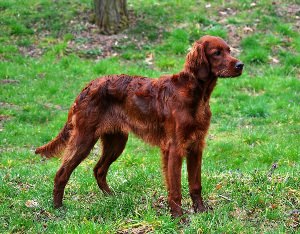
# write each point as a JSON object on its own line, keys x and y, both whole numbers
{"x": 274, "y": 60}
{"x": 273, "y": 206}
{"x": 31, "y": 204}
{"x": 149, "y": 59}
{"x": 247, "y": 29}
{"x": 235, "y": 50}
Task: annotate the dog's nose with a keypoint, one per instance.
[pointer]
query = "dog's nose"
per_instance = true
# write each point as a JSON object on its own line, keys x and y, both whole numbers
{"x": 239, "y": 65}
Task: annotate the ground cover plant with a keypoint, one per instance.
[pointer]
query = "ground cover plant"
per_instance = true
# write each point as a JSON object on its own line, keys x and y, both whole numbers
{"x": 49, "y": 51}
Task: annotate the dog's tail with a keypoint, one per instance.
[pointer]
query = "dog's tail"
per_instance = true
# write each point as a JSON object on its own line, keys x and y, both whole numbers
{"x": 57, "y": 145}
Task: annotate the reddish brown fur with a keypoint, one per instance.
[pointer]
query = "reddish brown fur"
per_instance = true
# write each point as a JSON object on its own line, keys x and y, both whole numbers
{"x": 171, "y": 112}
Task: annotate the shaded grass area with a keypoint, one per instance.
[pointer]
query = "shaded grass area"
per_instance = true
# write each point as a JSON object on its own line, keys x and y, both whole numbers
{"x": 251, "y": 162}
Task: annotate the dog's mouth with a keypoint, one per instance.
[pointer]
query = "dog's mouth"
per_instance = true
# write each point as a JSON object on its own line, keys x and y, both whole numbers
{"x": 228, "y": 74}
{"x": 231, "y": 75}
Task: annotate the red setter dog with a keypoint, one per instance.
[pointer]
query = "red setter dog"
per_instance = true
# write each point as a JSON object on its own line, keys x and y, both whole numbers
{"x": 171, "y": 112}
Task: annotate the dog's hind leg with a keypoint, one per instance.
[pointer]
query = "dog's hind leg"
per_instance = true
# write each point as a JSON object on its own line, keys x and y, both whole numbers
{"x": 77, "y": 150}
{"x": 113, "y": 145}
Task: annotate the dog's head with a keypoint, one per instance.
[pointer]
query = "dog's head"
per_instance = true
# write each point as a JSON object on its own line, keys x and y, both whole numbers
{"x": 210, "y": 56}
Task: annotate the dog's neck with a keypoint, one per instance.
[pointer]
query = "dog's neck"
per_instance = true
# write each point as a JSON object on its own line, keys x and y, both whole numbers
{"x": 205, "y": 85}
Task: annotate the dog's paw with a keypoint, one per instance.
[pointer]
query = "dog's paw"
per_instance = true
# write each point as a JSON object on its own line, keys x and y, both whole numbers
{"x": 57, "y": 205}
{"x": 176, "y": 215}
{"x": 200, "y": 208}
{"x": 108, "y": 192}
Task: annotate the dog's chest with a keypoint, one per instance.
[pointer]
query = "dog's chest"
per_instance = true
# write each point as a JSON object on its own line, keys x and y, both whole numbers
{"x": 202, "y": 120}
{"x": 203, "y": 114}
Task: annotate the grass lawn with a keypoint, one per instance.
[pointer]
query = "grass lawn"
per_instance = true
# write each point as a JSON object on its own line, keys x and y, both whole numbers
{"x": 49, "y": 51}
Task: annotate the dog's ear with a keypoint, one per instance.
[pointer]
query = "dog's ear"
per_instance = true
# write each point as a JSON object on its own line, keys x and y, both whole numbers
{"x": 196, "y": 61}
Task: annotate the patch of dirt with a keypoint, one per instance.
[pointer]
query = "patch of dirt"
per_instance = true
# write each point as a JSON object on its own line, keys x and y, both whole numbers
{"x": 235, "y": 36}
{"x": 239, "y": 213}
{"x": 41, "y": 215}
{"x": 290, "y": 12}
{"x": 9, "y": 81}
{"x": 88, "y": 42}
{"x": 294, "y": 219}
{"x": 159, "y": 204}
{"x": 23, "y": 186}
{"x": 52, "y": 106}
{"x": 136, "y": 230}
{"x": 7, "y": 105}
{"x": 31, "y": 51}
{"x": 2, "y": 119}
{"x": 85, "y": 39}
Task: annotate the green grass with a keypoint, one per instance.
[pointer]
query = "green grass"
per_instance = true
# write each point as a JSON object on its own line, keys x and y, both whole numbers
{"x": 251, "y": 162}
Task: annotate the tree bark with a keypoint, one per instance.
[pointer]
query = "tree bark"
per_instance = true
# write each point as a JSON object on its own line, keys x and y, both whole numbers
{"x": 111, "y": 16}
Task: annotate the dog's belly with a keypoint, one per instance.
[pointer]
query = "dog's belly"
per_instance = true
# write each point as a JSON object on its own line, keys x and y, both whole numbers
{"x": 151, "y": 132}
{"x": 117, "y": 119}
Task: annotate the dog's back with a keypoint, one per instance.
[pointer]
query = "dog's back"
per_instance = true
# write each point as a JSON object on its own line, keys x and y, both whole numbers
{"x": 117, "y": 103}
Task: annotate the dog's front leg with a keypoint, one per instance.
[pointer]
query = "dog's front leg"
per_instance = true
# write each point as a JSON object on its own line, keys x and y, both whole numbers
{"x": 174, "y": 179}
{"x": 194, "y": 162}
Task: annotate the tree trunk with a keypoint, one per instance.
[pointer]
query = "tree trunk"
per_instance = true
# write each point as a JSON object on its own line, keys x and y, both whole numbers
{"x": 111, "y": 15}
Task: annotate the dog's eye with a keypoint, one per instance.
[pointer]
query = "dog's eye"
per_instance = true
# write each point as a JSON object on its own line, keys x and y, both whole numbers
{"x": 217, "y": 53}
